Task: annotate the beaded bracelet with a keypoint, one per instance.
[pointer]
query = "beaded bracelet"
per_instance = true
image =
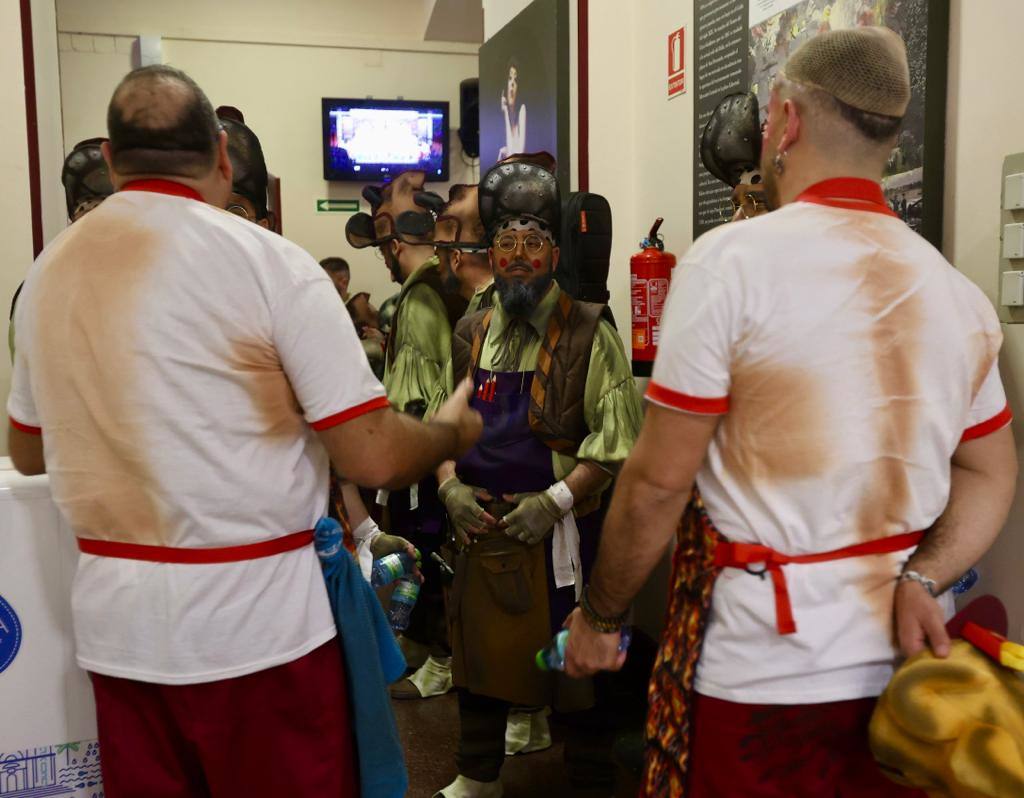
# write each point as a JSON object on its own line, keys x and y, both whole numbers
{"x": 598, "y": 622}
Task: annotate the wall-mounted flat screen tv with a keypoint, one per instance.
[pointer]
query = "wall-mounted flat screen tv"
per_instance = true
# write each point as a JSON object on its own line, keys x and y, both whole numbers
{"x": 368, "y": 141}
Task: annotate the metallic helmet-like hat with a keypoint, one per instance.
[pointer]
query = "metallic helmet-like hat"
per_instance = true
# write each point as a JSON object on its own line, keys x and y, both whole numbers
{"x": 249, "y": 178}
{"x": 521, "y": 188}
{"x": 418, "y": 226}
{"x": 388, "y": 203}
{"x": 730, "y": 146}
{"x": 85, "y": 175}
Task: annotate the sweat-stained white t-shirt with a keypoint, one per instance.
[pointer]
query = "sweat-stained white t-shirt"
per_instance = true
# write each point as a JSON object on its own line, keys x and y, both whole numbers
{"x": 177, "y": 360}
{"x": 848, "y": 360}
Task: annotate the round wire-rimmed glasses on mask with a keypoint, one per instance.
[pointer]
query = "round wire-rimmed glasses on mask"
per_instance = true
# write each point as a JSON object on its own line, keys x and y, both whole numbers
{"x": 532, "y": 243}
{"x": 750, "y": 206}
{"x": 238, "y": 210}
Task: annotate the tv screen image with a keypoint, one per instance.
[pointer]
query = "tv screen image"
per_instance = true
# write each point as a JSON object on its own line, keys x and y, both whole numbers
{"x": 370, "y": 140}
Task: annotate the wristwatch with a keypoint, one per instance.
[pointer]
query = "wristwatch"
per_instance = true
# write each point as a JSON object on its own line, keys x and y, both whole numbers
{"x": 928, "y": 584}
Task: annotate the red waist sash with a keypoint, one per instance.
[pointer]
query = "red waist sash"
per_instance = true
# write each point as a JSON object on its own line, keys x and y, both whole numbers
{"x": 743, "y": 555}
{"x": 220, "y": 554}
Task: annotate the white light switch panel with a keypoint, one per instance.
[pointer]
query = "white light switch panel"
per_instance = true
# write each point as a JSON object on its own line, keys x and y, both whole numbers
{"x": 1012, "y": 289}
{"x": 1013, "y": 192}
{"x": 1013, "y": 241}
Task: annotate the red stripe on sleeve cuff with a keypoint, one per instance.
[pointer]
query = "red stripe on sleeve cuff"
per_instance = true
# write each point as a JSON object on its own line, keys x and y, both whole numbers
{"x": 25, "y": 427}
{"x": 347, "y": 415}
{"x": 997, "y": 422}
{"x": 661, "y": 395}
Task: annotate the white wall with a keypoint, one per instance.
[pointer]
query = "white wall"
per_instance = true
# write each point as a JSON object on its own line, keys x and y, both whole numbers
{"x": 498, "y": 13}
{"x": 278, "y": 87}
{"x": 48, "y": 117}
{"x": 985, "y": 123}
{"x": 15, "y": 202}
{"x": 641, "y": 143}
{"x": 349, "y": 23}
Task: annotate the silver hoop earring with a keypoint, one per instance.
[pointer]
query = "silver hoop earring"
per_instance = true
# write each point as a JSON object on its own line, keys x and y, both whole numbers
{"x": 779, "y": 162}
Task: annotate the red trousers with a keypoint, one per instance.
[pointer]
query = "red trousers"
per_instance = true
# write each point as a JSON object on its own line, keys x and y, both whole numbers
{"x": 281, "y": 731}
{"x": 776, "y": 751}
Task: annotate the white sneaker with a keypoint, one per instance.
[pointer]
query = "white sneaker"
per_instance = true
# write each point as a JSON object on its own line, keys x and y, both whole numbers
{"x": 527, "y": 732}
{"x": 464, "y": 787}
{"x": 433, "y": 678}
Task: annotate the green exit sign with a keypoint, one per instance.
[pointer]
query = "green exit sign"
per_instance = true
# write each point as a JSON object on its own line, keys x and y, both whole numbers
{"x": 337, "y": 206}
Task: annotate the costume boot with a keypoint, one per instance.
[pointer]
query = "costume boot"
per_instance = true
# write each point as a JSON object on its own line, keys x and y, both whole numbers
{"x": 433, "y": 678}
{"x": 527, "y": 731}
{"x": 464, "y": 787}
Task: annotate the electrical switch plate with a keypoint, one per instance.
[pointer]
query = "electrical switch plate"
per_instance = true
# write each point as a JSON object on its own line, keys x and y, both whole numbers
{"x": 1013, "y": 192}
{"x": 1012, "y": 290}
{"x": 1013, "y": 241}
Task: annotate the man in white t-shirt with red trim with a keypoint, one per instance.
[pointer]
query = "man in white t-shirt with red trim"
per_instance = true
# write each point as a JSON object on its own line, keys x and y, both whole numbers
{"x": 185, "y": 377}
{"x": 830, "y": 384}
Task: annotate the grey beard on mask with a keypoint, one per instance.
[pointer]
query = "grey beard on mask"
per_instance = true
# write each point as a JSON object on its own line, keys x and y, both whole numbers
{"x": 521, "y": 299}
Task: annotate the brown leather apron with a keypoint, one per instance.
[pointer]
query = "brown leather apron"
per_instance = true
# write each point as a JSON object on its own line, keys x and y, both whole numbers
{"x": 498, "y": 609}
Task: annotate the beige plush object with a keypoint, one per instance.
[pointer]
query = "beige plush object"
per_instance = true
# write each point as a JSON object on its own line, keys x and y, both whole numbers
{"x": 866, "y": 68}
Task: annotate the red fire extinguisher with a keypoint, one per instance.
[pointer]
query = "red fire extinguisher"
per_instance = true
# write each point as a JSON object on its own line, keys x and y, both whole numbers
{"x": 650, "y": 271}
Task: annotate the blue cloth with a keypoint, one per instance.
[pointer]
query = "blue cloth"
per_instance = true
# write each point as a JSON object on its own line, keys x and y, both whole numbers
{"x": 373, "y": 660}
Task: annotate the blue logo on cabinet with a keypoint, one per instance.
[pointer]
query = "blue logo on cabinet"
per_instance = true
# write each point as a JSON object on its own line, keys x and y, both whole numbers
{"x": 10, "y": 634}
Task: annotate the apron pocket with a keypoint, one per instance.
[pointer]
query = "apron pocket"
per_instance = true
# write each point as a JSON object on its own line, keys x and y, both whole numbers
{"x": 507, "y": 581}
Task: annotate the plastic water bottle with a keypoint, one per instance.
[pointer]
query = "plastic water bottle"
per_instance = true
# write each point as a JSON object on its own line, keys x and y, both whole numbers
{"x": 391, "y": 567}
{"x": 552, "y": 657}
{"x": 407, "y": 591}
{"x": 966, "y": 582}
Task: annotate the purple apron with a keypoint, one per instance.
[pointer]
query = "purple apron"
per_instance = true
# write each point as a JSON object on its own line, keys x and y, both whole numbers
{"x": 509, "y": 458}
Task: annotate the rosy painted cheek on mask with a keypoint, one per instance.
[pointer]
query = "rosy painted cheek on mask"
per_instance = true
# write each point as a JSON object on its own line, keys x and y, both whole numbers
{"x": 503, "y": 263}
{"x": 536, "y": 265}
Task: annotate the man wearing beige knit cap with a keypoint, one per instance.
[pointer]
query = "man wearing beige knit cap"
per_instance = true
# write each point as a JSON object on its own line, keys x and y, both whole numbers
{"x": 827, "y": 391}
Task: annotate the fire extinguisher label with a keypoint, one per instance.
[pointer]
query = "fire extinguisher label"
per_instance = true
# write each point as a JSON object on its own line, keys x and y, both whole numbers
{"x": 641, "y": 323}
{"x": 638, "y": 290}
{"x": 657, "y": 293}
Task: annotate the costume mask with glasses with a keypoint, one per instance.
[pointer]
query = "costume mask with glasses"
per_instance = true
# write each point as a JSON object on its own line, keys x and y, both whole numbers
{"x": 397, "y": 225}
{"x": 520, "y": 207}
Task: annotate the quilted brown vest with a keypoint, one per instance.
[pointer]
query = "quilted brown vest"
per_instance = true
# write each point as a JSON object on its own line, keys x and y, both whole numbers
{"x": 560, "y": 379}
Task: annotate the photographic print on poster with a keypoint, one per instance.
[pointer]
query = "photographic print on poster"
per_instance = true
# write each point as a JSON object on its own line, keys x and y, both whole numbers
{"x": 914, "y": 175}
{"x": 524, "y": 87}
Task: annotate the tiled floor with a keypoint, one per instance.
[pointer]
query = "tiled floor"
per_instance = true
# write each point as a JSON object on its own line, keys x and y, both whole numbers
{"x": 429, "y": 731}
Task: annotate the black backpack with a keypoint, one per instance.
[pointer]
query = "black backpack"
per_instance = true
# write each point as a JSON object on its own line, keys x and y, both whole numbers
{"x": 586, "y": 247}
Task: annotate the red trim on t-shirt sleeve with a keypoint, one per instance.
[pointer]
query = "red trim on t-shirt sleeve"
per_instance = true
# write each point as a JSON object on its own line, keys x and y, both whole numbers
{"x": 661, "y": 395}
{"x": 25, "y": 427}
{"x": 347, "y": 415}
{"x": 997, "y": 422}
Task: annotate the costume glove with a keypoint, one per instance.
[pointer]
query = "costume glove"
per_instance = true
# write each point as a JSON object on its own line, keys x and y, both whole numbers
{"x": 464, "y": 511}
{"x": 534, "y": 517}
{"x": 382, "y": 545}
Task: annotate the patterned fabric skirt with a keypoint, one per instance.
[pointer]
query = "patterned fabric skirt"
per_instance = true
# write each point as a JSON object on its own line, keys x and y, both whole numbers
{"x": 670, "y": 696}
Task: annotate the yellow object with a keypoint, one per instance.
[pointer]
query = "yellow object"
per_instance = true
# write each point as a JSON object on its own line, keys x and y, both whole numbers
{"x": 954, "y": 727}
{"x": 1012, "y": 655}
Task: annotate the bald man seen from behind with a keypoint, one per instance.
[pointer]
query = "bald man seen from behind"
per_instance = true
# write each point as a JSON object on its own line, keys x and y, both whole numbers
{"x": 830, "y": 385}
{"x": 185, "y": 377}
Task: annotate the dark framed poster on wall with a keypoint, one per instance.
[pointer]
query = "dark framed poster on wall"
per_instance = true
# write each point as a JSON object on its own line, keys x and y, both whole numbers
{"x": 524, "y": 87}
{"x": 741, "y": 44}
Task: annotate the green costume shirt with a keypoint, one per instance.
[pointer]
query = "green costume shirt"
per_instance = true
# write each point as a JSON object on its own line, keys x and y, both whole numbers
{"x": 611, "y": 402}
{"x": 482, "y": 297}
{"x": 422, "y": 344}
